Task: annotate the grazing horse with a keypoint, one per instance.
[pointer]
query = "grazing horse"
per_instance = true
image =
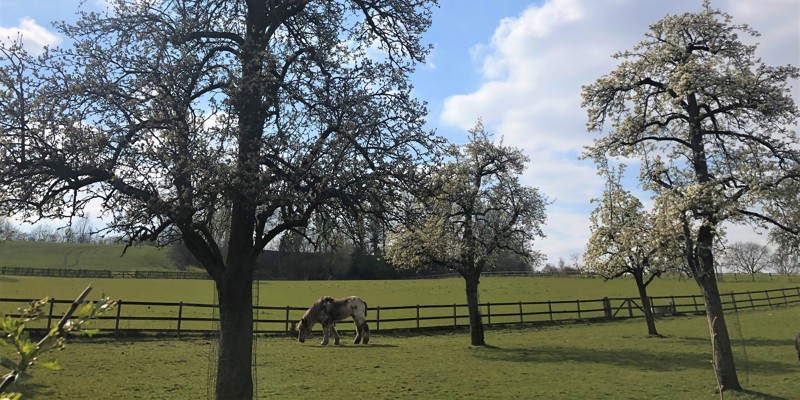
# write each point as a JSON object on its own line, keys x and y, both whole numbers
{"x": 327, "y": 311}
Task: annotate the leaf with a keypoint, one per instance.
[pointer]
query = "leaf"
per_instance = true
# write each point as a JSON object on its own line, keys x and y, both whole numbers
{"x": 8, "y": 363}
{"x": 3, "y": 342}
{"x": 51, "y": 365}
{"x": 10, "y": 396}
{"x": 90, "y": 332}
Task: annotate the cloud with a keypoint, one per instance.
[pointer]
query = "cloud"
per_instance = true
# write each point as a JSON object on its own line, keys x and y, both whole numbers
{"x": 34, "y": 36}
{"x": 533, "y": 68}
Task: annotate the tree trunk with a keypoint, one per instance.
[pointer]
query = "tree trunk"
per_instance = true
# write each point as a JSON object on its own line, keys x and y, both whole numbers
{"x": 475, "y": 321}
{"x": 234, "y": 378}
{"x": 724, "y": 365}
{"x": 647, "y": 308}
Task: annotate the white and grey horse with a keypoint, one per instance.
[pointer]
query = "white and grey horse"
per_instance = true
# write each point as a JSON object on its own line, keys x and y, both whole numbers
{"x": 327, "y": 311}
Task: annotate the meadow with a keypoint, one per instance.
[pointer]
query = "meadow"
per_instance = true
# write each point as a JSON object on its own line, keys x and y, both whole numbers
{"x": 613, "y": 360}
{"x": 84, "y": 256}
{"x": 572, "y": 360}
{"x": 378, "y": 292}
{"x": 392, "y": 303}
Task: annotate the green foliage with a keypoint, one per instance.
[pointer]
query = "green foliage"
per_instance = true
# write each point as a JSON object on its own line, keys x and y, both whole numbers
{"x": 29, "y": 351}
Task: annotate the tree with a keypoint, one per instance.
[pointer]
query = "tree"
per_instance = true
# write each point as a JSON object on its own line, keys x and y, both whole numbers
{"x": 7, "y": 230}
{"x": 713, "y": 127}
{"x": 171, "y": 113}
{"x": 475, "y": 210}
{"x": 625, "y": 239}
{"x": 786, "y": 257}
{"x": 746, "y": 257}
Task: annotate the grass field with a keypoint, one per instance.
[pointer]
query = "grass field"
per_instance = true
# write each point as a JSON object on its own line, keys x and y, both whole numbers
{"x": 613, "y": 360}
{"x": 383, "y": 292}
{"x": 84, "y": 256}
{"x": 379, "y": 294}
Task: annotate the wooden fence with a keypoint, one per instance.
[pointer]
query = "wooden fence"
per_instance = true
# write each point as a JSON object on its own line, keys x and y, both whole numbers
{"x": 184, "y": 318}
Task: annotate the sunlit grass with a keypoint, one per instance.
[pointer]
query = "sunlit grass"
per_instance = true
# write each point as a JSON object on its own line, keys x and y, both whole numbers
{"x": 613, "y": 360}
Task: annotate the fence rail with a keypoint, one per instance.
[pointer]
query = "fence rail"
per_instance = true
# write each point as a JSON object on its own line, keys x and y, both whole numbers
{"x": 184, "y": 318}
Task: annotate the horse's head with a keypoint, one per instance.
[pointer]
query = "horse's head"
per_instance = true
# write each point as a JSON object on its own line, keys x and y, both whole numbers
{"x": 303, "y": 329}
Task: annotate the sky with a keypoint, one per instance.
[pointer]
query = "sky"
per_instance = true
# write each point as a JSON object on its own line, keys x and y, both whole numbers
{"x": 519, "y": 66}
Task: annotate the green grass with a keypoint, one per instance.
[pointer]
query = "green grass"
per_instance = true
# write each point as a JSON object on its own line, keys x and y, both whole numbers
{"x": 377, "y": 293}
{"x": 613, "y": 360}
{"x": 381, "y": 294}
{"x": 84, "y": 256}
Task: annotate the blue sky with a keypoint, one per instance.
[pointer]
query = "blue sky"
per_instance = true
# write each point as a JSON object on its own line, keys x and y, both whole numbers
{"x": 519, "y": 65}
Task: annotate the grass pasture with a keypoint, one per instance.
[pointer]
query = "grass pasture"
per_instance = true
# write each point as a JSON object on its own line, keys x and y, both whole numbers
{"x": 84, "y": 256}
{"x": 612, "y": 360}
{"x": 378, "y": 293}
{"x": 383, "y": 294}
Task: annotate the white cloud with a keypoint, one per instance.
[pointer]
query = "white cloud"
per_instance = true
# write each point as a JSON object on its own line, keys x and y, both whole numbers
{"x": 533, "y": 68}
{"x": 34, "y": 36}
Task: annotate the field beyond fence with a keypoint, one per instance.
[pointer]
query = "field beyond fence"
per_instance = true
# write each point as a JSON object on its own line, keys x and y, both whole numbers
{"x": 192, "y": 318}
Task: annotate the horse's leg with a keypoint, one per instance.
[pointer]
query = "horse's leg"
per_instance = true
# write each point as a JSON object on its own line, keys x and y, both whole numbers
{"x": 358, "y": 332}
{"x": 365, "y": 330}
{"x": 335, "y": 334}
{"x": 325, "y": 334}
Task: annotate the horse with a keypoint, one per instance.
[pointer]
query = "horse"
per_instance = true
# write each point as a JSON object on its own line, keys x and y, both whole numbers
{"x": 797, "y": 345}
{"x": 327, "y": 311}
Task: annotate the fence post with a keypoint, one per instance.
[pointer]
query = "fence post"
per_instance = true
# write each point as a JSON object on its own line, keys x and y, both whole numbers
{"x": 769, "y": 301}
{"x": 378, "y": 319}
{"x": 489, "y": 312}
{"x": 750, "y": 296}
{"x": 417, "y": 316}
{"x": 783, "y": 292}
{"x": 550, "y": 309}
{"x": 50, "y": 314}
{"x": 286, "y": 327}
{"x": 520, "y": 313}
{"x": 180, "y": 316}
{"x": 694, "y": 300}
{"x": 119, "y": 310}
{"x": 630, "y": 308}
{"x": 607, "y": 307}
{"x": 455, "y": 319}
{"x": 733, "y": 300}
{"x": 578, "y": 302}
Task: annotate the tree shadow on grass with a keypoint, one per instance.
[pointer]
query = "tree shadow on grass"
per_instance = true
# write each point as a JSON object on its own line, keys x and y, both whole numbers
{"x": 361, "y": 346}
{"x": 762, "y": 396}
{"x": 630, "y": 358}
{"x": 755, "y": 342}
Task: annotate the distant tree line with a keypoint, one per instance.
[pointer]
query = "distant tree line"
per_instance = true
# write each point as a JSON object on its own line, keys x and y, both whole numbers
{"x": 80, "y": 230}
{"x": 344, "y": 263}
